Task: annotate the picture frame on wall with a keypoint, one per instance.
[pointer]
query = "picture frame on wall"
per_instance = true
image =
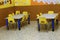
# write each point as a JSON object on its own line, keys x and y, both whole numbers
{"x": 3, "y": 2}
{"x": 6, "y": 3}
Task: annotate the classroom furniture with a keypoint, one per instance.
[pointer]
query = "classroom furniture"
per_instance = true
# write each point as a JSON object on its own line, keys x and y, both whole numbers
{"x": 37, "y": 16}
{"x": 17, "y": 12}
{"x": 18, "y": 18}
{"x": 26, "y": 14}
{"x": 33, "y": 10}
{"x": 40, "y": 14}
{"x": 43, "y": 20}
{"x": 11, "y": 21}
{"x": 50, "y": 12}
{"x": 10, "y": 15}
{"x": 13, "y": 14}
{"x": 48, "y": 16}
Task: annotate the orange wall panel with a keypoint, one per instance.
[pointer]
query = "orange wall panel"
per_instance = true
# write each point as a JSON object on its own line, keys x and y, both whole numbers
{"x": 36, "y": 3}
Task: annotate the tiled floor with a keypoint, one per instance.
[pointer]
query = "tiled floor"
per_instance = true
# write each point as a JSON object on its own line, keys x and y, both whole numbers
{"x": 29, "y": 32}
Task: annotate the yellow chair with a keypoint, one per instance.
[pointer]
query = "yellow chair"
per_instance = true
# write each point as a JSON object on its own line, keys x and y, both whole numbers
{"x": 11, "y": 20}
{"x": 26, "y": 14}
{"x": 50, "y": 12}
{"x": 40, "y": 14}
{"x": 23, "y": 19}
{"x": 37, "y": 16}
{"x": 12, "y": 14}
{"x": 42, "y": 20}
{"x": 17, "y": 12}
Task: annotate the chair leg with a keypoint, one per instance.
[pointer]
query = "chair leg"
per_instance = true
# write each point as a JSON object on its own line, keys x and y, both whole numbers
{"x": 46, "y": 27}
{"x": 38, "y": 24}
{"x": 56, "y": 22}
{"x": 29, "y": 19}
{"x": 14, "y": 25}
{"x": 38, "y": 27}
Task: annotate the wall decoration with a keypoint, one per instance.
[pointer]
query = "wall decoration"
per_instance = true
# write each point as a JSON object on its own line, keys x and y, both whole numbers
{"x": 2, "y": 2}
{"x": 44, "y": 2}
{"x": 6, "y": 3}
{"x": 22, "y": 2}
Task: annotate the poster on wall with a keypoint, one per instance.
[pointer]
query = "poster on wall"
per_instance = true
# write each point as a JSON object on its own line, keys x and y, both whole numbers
{"x": 44, "y": 2}
{"x": 3, "y": 2}
{"x": 6, "y": 3}
{"x": 22, "y": 2}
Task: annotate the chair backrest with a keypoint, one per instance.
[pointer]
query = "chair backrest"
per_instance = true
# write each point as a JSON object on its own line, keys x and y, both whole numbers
{"x": 50, "y": 12}
{"x": 37, "y": 16}
{"x": 17, "y": 12}
{"x": 42, "y": 20}
{"x": 26, "y": 14}
{"x": 11, "y": 20}
{"x": 23, "y": 19}
{"x": 10, "y": 15}
{"x": 40, "y": 14}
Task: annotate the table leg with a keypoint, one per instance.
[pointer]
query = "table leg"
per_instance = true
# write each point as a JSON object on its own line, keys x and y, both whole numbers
{"x": 29, "y": 19}
{"x": 7, "y": 24}
{"x": 52, "y": 24}
{"x": 19, "y": 24}
{"x": 38, "y": 25}
{"x": 56, "y": 22}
